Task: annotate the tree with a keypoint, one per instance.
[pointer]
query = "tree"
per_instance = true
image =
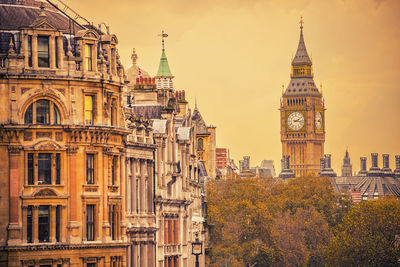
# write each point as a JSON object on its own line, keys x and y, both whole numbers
{"x": 252, "y": 220}
{"x": 366, "y": 237}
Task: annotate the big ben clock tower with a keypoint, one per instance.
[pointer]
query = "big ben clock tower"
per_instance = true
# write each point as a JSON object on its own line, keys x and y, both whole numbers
{"x": 302, "y": 116}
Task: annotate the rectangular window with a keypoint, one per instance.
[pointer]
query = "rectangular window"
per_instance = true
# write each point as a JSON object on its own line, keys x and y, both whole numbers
{"x": 88, "y": 57}
{"x": 88, "y": 109}
{"x": 56, "y": 50}
{"x": 90, "y": 168}
{"x": 90, "y": 264}
{"x": 43, "y": 51}
{"x": 29, "y": 114}
{"x": 90, "y": 222}
{"x": 30, "y": 50}
{"x": 30, "y": 169}
{"x": 44, "y": 223}
{"x": 112, "y": 219}
{"x": 114, "y": 166}
{"x": 58, "y": 217}
{"x": 58, "y": 168}
{"x": 44, "y": 168}
{"x": 29, "y": 224}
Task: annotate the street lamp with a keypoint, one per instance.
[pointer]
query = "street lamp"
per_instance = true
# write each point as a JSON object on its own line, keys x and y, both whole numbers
{"x": 197, "y": 249}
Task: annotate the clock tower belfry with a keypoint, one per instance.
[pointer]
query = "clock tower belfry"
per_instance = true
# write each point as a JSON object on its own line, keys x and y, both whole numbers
{"x": 302, "y": 116}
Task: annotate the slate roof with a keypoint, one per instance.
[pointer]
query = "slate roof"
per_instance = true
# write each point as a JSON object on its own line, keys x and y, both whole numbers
{"x": 369, "y": 186}
{"x": 301, "y": 53}
{"x": 201, "y": 127}
{"x": 302, "y": 86}
{"x": 147, "y": 111}
{"x": 16, "y": 14}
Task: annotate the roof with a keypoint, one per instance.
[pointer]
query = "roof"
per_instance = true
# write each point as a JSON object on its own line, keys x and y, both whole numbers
{"x": 163, "y": 68}
{"x": 183, "y": 133}
{"x": 201, "y": 127}
{"x": 159, "y": 126}
{"x": 302, "y": 86}
{"x": 16, "y": 14}
{"x": 147, "y": 111}
{"x": 301, "y": 53}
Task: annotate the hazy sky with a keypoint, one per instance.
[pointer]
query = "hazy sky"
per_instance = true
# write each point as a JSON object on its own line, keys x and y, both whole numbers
{"x": 234, "y": 56}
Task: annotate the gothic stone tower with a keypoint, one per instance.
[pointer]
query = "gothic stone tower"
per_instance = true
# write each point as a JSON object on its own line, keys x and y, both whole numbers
{"x": 302, "y": 116}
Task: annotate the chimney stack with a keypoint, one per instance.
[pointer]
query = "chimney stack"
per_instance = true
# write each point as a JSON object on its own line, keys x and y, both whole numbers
{"x": 286, "y": 171}
{"x": 374, "y": 170}
{"x": 363, "y": 165}
{"x": 327, "y": 170}
{"x": 386, "y": 169}
{"x": 397, "y": 170}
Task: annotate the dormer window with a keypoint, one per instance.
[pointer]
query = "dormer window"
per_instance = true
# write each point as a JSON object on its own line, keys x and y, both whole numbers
{"x": 43, "y": 52}
{"x": 42, "y": 111}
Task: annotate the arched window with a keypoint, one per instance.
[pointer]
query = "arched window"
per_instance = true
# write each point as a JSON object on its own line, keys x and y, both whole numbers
{"x": 200, "y": 144}
{"x": 42, "y": 111}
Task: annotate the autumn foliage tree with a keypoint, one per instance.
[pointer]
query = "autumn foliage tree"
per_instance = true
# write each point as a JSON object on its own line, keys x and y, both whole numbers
{"x": 366, "y": 237}
{"x": 264, "y": 222}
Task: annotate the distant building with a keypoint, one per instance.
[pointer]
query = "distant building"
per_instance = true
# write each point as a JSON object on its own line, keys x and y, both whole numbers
{"x": 369, "y": 184}
{"x": 347, "y": 169}
{"x": 222, "y": 156}
{"x": 269, "y": 167}
{"x": 244, "y": 165}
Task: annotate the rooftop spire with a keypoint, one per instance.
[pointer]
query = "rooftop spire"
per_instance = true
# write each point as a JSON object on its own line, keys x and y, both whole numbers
{"x": 163, "y": 68}
{"x": 301, "y": 53}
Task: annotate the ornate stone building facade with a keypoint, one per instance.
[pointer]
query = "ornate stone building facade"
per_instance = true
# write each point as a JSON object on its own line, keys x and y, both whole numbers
{"x": 302, "y": 116}
{"x": 61, "y": 141}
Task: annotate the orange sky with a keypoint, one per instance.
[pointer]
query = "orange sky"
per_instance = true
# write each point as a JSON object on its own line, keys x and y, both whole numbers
{"x": 234, "y": 55}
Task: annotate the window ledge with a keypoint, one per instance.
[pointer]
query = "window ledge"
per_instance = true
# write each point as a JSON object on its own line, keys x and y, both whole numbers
{"x": 90, "y": 187}
{"x": 44, "y": 185}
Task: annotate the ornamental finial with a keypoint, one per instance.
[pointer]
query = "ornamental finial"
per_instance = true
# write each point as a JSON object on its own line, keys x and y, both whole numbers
{"x": 163, "y": 35}
{"x": 301, "y": 22}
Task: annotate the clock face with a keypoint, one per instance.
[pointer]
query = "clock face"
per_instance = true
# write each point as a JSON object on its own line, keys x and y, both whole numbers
{"x": 295, "y": 121}
{"x": 318, "y": 120}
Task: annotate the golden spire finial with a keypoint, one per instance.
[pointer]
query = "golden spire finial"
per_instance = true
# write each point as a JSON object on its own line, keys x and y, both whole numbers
{"x": 301, "y": 22}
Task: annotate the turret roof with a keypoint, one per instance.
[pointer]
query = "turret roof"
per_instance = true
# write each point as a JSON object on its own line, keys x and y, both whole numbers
{"x": 163, "y": 68}
{"x": 301, "y": 53}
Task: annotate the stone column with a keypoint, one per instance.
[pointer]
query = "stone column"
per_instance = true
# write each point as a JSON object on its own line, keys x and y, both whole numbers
{"x": 143, "y": 254}
{"x": 71, "y": 153}
{"x": 52, "y": 54}
{"x": 162, "y": 162}
{"x": 26, "y": 52}
{"x": 134, "y": 254}
{"x": 34, "y": 51}
{"x": 24, "y": 224}
{"x": 149, "y": 186}
{"x": 52, "y": 223}
{"x": 35, "y": 226}
{"x": 14, "y": 157}
{"x": 142, "y": 186}
{"x": 60, "y": 52}
{"x": 150, "y": 253}
{"x": 133, "y": 186}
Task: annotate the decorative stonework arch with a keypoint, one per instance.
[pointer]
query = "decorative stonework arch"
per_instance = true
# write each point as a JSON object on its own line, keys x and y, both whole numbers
{"x": 88, "y": 34}
{"x": 45, "y": 192}
{"x": 49, "y": 94}
{"x": 47, "y": 145}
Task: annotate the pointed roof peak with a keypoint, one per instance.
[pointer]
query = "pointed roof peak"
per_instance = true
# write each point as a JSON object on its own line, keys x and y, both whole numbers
{"x": 301, "y": 53}
{"x": 163, "y": 68}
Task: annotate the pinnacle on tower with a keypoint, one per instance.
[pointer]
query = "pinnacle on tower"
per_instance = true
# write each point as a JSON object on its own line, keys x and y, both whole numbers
{"x": 163, "y": 68}
{"x": 301, "y": 56}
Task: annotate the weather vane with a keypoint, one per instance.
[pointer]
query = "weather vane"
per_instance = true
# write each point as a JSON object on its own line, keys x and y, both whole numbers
{"x": 163, "y": 35}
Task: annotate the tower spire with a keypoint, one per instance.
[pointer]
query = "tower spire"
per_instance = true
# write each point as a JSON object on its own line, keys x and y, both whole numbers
{"x": 163, "y": 68}
{"x": 301, "y": 53}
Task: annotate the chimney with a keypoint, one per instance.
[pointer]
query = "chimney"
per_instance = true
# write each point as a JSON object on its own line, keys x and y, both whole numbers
{"x": 327, "y": 171}
{"x": 397, "y": 170}
{"x": 374, "y": 170}
{"x": 321, "y": 164}
{"x": 363, "y": 165}
{"x": 286, "y": 171}
{"x": 386, "y": 169}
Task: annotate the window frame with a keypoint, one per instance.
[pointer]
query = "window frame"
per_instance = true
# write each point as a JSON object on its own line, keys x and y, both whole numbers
{"x": 45, "y": 57}
{"x": 90, "y": 224}
{"x": 90, "y": 111}
{"x": 42, "y": 239}
{"x": 33, "y": 170}
{"x": 90, "y": 171}
{"x": 53, "y": 113}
